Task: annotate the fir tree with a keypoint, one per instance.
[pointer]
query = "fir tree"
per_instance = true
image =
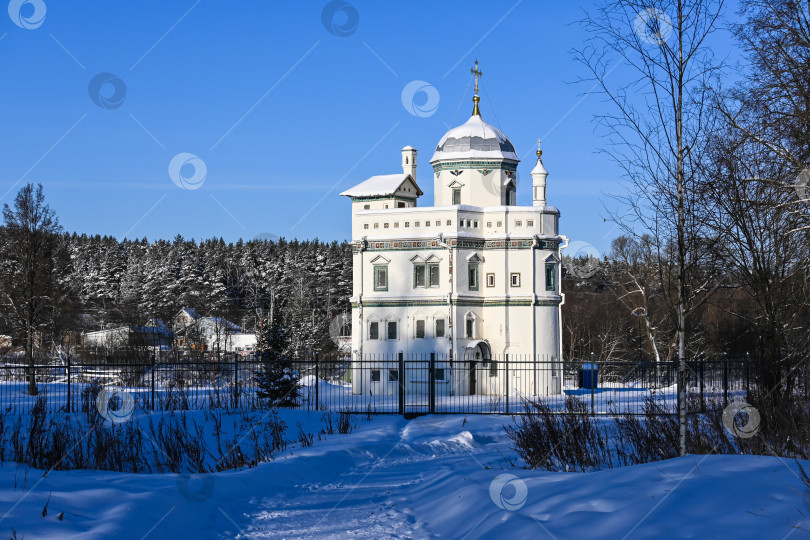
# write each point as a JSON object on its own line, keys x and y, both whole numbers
{"x": 277, "y": 380}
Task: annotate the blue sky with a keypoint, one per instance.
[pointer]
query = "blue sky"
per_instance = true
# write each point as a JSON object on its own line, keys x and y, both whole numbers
{"x": 283, "y": 112}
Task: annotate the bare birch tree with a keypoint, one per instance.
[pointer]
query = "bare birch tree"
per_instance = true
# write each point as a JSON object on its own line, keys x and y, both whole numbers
{"x": 657, "y": 129}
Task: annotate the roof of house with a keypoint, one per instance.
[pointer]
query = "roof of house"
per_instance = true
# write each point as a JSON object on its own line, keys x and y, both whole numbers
{"x": 381, "y": 185}
{"x": 191, "y": 312}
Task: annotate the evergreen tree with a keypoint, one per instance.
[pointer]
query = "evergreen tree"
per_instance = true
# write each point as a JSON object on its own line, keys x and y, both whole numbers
{"x": 277, "y": 380}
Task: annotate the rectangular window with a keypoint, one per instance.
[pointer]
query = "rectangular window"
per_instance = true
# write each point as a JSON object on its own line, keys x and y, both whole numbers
{"x": 514, "y": 279}
{"x": 427, "y": 223}
{"x": 456, "y": 196}
{"x": 375, "y": 375}
{"x": 374, "y": 330}
{"x": 365, "y": 225}
{"x": 469, "y": 328}
{"x": 518, "y": 223}
{"x": 418, "y": 275}
{"x": 449, "y": 222}
{"x": 376, "y": 225}
{"x": 420, "y": 328}
{"x": 396, "y": 225}
{"x": 475, "y": 224}
{"x": 407, "y": 223}
{"x": 489, "y": 224}
{"x": 393, "y": 375}
{"x": 500, "y": 223}
{"x": 438, "y": 374}
{"x": 392, "y": 330}
{"x": 550, "y": 274}
{"x": 433, "y": 275}
{"x": 366, "y": 207}
{"x": 472, "y": 276}
{"x": 439, "y": 327}
{"x": 416, "y": 224}
{"x": 380, "y": 278}
{"x": 490, "y": 280}
{"x": 530, "y": 223}
{"x": 385, "y": 225}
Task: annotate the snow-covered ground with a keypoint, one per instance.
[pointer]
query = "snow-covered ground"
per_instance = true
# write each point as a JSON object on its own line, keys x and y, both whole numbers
{"x": 435, "y": 476}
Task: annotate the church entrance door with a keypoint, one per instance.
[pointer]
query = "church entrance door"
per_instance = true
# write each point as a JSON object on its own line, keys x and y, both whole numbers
{"x": 481, "y": 355}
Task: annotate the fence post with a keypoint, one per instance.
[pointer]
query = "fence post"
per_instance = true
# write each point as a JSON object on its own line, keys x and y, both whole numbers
{"x": 432, "y": 384}
{"x": 593, "y": 383}
{"x": 317, "y": 382}
{"x": 748, "y": 375}
{"x": 702, "y": 383}
{"x": 236, "y": 381}
{"x": 68, "y": 385}
{"x": 506, "y": 366}
{"x": 154, "y": 367}
{"x": 725, "y": 379}
{"x": 401, "y": 379}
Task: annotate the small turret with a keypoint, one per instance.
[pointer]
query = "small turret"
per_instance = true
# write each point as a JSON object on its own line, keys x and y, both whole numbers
{"x": 409, "y": 161}
{"x": 539, "y": 174}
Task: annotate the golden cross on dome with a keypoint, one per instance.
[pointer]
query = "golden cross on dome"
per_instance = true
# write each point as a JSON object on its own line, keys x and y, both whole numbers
{"x": 475, "y": 71}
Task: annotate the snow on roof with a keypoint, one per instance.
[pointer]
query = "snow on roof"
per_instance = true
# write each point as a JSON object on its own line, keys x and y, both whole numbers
{"x": 381, "y": 185}
{"x": 219, "y": 324}
{"x": 190, "y": 312}
{"x": 474, "y": 139}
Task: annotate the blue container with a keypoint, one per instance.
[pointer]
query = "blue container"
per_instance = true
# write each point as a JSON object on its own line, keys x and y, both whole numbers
{"x": 588, "y": 376}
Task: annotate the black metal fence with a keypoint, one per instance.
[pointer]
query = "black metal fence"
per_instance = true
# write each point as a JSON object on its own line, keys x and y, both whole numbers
{"x": 396, "y": 384}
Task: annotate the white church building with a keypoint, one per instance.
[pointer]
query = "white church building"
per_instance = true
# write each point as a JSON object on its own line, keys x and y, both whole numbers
{"x": 474, "y": 278}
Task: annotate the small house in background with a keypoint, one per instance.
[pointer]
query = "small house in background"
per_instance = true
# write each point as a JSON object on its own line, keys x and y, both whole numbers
{"x": 215, "y": 334}
{"x": 158, "y": 337}
{"x": 5, "y": 343}
{"x": 185, "y": 317}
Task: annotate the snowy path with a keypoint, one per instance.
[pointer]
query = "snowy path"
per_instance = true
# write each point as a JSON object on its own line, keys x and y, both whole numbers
{"x": 373, "y": 497}
{"x": 427, "y": 478}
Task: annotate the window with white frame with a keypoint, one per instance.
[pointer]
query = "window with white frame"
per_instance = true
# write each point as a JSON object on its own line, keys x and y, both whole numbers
{"x": 374, "y": 330}
{"x": 472, "y": 276}
{"x": 419, "y": 328}
{"x": 425, "y": 275}
{"x": 439, "y": 328}
{"x": 391, "y": 327}
{"x": 380, "y": 278}
{"x": 419, "y": 275}
{"x": 469, "y": 327}
{"x": 433, "y": 274}
{"x": 550, "y": 277}
{"x": 514, "y": 279}
{"x": 490, "y": 280}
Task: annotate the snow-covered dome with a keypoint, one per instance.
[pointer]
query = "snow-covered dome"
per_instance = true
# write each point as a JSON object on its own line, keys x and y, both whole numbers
{"x": 474, "y": 139}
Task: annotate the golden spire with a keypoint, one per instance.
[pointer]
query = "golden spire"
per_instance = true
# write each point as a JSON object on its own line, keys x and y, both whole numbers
{"x": 475, "y": 71}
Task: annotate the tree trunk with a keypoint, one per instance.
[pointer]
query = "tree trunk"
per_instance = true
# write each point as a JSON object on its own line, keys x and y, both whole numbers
{"x": 29, "y": 356}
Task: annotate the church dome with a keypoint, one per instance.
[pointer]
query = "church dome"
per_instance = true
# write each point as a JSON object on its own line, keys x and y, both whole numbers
{"x": 475, "y": 139}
